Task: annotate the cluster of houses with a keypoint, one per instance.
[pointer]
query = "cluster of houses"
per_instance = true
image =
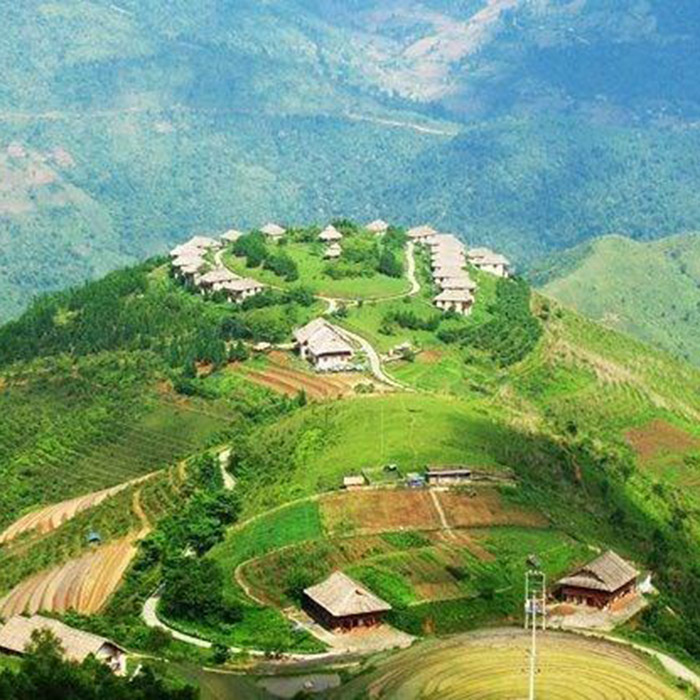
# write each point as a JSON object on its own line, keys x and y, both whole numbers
{"x": 324, "y": 346}
{"x": 16, "y": 636}
{"x": 195, "y": 263}
{"x": 448, "y": 262}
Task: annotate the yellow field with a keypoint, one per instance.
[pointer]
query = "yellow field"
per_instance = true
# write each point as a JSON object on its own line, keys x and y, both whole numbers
{"x": 494, "y": 666}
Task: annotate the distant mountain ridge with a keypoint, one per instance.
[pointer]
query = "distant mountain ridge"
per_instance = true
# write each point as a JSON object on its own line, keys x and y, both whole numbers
{"x": 650, "y": 290}
{"x": 530, "y": 127}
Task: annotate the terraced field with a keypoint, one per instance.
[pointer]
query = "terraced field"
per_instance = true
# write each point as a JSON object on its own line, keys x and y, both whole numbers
{"x": 48, "y": 519}
{"x": 494, "y": 666}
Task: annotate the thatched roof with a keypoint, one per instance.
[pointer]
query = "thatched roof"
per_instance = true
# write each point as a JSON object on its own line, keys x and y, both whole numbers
{"x": 333, "y": 251}
{"x": 218, "y": 276}
{"x": 444, "y": 239}
{"x": 458, "y": 282}
{"x": 485, "y": 256}
{"x": 457, "y": 295}
{"x": 330, "y": 233}
{"x": 203, "y": 242}
{"x": 241, "y": 284}
{"x": 608, "y": 573}
{"x": 16, "y": 635}
{"x": 377, "y": 226}
{"x": 231, "y": 236}
{"x": 343, "y": 597}
{"x": 421, "y": 232}
{"x": 273, "y": 230}
{"x": 322, "y": 338}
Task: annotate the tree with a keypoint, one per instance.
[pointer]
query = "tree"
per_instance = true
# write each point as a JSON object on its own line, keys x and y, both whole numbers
{"x": 389, "y": 264}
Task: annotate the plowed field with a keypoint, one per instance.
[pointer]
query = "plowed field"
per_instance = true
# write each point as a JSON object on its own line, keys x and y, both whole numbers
{"x": 380, "y": 510}
{"x": 494, "y": 666}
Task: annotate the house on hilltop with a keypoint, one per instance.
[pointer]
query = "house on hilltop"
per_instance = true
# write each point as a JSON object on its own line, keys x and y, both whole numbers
{"x": 599, "y": 583}
{"x": 460, "y": 282}
{"x": 213, "y": 280}
{"x": 16, "y": 636}
{"x": 231, "y": 236}
{"x": 420, "y": 234}
{"x": 486, "y": 260}
{"x": 324, "y": 346}
{"x": 240, "y": 288}
{"x": 343, "y": 604}
{"x": 377, "y": 227}
{"x": 273, "y": 231}
{"x": 330, "y": 234}
{"x": 459, "y": 300}
{"x": 333, "y": 252}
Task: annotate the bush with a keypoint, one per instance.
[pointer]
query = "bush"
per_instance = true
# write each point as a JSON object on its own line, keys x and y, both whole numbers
{"x": 390, "y": 264}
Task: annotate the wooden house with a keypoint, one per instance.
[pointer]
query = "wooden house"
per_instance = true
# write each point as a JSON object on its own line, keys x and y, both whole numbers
{"x": 339, "y": 603}
{"x": 16, "y": 636}
{"x": 324, "y": 346}
{"x": 599, "y": 583}
{"x": 459, "y": 300}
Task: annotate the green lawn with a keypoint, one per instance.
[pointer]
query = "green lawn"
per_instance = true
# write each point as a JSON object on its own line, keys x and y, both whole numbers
{"x": 311, "y": 264}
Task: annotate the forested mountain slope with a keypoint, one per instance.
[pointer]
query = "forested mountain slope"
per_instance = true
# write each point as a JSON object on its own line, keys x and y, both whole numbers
{"x": 126, "y": 126}
{"x": 651, "y": 290}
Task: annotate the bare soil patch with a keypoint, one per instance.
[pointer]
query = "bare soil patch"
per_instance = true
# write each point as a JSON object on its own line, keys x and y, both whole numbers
{"x": 377, "y": 511}
{"x": 660, "y": 438}
{"x": 485, "y": 508}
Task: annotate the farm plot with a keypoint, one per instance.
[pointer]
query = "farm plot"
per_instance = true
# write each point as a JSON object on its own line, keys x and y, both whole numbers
{"x": 82, "y": 584}
{"x": 494, "y": 666}
{"x": 377, "y": 511}
{"x": 485, "y": 507}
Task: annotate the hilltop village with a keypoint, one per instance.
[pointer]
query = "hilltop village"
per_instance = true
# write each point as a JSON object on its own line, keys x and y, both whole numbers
{"x": 199, "y": 264}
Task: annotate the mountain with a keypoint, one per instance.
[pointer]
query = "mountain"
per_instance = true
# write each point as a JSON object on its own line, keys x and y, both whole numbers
{"x": 650, "y": 290}
{"x": 235, "y": 452}
{"x": 530, "y": 126}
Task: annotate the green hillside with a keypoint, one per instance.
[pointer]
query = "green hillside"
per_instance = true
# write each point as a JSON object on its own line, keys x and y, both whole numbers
{"x": 649, "y": 290}
{"x": 586, "y": 439}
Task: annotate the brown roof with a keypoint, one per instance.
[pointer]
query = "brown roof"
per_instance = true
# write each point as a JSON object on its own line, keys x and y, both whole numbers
{"x": 16, "y": 635}
{"x": 219, "y": 275}
{"x": 459, "y": 295}
{"x": 458, "y": 282}
{"x": 341, "y": 597}
{"x": 609, "y": 572}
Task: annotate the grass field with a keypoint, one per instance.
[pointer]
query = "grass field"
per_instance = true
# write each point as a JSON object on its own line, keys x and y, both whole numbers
{"x": 331, "y": 441}
{"x": 311, "y": 265}
{"x": 494, "y": 666}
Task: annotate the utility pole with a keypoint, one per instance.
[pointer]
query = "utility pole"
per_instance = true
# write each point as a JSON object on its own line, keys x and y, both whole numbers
{"x": 535, "y": 612}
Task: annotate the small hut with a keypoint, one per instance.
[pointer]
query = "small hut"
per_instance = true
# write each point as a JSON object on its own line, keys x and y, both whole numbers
{"x": 600, "y": 582}
{"x": 341, "y": 603}
{"x": 486, "y": 260}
